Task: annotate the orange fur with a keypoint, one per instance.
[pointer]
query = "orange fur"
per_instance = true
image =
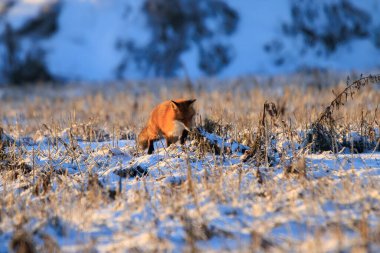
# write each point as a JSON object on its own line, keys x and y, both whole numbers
{"x": 171, "y": 119}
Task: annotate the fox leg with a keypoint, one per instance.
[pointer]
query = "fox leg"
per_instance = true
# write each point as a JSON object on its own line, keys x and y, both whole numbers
{"x": 171, "y": 140}
{"x": 184, "y": 135}
{"x": 151, "y": 147}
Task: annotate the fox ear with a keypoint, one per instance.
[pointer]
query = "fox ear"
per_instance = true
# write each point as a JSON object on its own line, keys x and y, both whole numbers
{"x": 174, "y": 104}
{"x": 191, "y": 101}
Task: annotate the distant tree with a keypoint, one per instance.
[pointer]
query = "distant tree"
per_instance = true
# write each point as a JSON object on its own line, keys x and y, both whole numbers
{"x": 20, "y": 66}
{"x": 323, "y": 26}
{"x": 175, "y": 27}
{"x": 376, "y": 36}
{"x": 327, "y": 23}
{"x": 5, "y": 5}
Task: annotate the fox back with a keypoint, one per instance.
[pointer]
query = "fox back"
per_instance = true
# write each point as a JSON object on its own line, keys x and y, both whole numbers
{"x": 170, "y": 119}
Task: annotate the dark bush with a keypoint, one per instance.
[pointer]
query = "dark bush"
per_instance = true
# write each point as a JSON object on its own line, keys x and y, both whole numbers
{"x": 27, "y": 66}
{"x": 176, "y": 26}
{"x": 327, "y": 23}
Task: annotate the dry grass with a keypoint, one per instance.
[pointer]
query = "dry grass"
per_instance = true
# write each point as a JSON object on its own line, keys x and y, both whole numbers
{"x": 41, "y": 205}
{"x": 119, "y": 109}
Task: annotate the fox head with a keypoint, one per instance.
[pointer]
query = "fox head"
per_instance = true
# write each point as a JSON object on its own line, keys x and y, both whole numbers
{"x": 184, "y": 111}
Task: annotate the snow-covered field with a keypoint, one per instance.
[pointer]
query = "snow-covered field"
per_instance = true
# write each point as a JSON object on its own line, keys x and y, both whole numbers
{"x": 71, "y": 177}
{"x": 111, "y": 199}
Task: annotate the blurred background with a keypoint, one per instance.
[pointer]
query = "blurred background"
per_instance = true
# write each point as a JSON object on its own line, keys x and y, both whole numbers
{"x": 108, "y": 40}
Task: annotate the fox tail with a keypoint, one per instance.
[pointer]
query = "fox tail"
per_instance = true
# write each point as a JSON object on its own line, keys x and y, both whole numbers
{"x": 142, "y": 139}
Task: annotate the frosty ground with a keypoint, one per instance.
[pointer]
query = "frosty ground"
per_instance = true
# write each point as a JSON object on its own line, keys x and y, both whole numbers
{"x": 230, "y": 208}
{"x": 74, "y": 183}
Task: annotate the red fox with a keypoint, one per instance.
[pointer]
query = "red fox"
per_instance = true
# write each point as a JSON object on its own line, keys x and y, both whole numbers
{"x": 171, "y": 119}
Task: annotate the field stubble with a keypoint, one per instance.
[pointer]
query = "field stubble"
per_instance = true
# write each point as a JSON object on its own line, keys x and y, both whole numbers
{"x": 72, "y": 178}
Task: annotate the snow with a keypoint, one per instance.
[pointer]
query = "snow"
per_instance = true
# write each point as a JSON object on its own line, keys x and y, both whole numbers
{"x": 23, "y": 10}
{"x": 81, "y": 51}
{"x": 85, "y": 48}
{"x": 281, "y": 218}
